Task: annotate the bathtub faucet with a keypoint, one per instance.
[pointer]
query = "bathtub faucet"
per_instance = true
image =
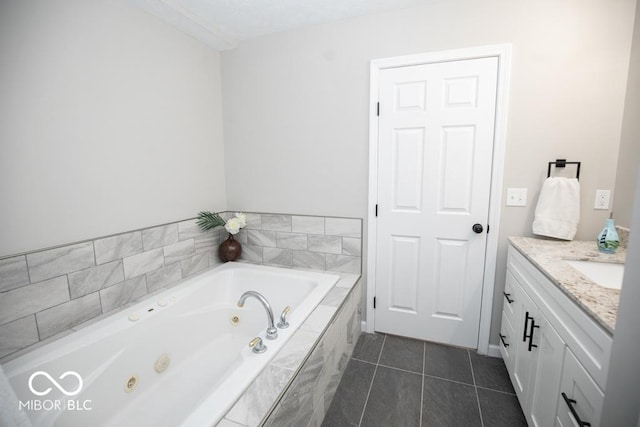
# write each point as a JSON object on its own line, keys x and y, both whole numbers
{"x": 272, "y": 332}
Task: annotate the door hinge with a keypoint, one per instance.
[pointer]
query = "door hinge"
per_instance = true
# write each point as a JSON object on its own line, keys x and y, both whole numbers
{"x": 374, "y": 302}
{"x": 376, "y": 210}
{"x": 378, "y": 112}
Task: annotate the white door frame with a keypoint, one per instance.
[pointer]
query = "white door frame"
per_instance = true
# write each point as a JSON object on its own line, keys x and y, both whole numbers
{"x": 503, "y": 53}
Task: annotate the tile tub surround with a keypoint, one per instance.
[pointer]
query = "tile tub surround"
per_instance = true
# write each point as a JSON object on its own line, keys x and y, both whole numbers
{"x": 51, "y": 291}
{"x": 297, "y": 386}
{"x": 550, "y": 257}
{"x": 318, "y": 243}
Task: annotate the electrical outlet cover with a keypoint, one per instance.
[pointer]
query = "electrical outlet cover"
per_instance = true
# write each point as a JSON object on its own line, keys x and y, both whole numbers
{"x": 602, "y": 199}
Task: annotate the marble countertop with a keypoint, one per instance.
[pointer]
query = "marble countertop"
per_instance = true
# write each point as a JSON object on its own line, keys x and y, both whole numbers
{"x": 550, "y": 257}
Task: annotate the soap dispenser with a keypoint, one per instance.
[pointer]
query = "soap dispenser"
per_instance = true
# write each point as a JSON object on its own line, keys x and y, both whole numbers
{"x": 608, "y": 239}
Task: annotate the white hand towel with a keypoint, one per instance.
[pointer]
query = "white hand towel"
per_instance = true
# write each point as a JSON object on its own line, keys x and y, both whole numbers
{"x": 558, "y": 210}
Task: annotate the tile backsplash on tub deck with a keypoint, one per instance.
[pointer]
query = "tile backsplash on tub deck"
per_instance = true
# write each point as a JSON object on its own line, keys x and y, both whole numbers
{"x": 320, "y": 243}
{"x": 47, "y": 292}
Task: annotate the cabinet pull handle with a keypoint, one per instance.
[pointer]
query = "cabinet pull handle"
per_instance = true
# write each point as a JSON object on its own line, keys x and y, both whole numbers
{"x": 502, "y": 337}
{"x": 533, "y": 325}
{"x": 506, "y": 295}
{"x": 526, "y": 323}
{"x": 570, "y": 403}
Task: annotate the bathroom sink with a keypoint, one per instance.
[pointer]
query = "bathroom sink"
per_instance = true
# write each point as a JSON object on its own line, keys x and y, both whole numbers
{"x": 605, "y": 274}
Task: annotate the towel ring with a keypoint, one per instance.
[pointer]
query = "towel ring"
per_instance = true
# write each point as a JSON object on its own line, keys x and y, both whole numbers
{"x": 561, "y": 163}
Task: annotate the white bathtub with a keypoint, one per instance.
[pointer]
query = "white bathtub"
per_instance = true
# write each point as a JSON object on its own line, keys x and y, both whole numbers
{"x": 210, "y": 362}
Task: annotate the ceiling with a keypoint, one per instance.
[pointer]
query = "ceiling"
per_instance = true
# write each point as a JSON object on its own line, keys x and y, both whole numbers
{"x": 222, "y": 24}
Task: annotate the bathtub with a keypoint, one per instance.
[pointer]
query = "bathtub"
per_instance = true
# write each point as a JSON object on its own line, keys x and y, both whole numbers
{"x": 181, "y": 357}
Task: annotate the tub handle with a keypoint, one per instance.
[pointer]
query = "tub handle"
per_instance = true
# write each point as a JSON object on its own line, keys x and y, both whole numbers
{"x": 283, "y": 324}
{"x": 257, "y": 345}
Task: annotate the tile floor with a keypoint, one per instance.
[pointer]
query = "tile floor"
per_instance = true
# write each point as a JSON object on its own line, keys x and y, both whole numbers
{"x": 395, "y": 382}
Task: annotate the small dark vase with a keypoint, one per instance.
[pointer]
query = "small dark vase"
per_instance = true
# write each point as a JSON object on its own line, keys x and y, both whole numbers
{"x": 230, "y": 249}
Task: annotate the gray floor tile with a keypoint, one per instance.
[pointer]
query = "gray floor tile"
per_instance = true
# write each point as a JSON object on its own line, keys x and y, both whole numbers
{"x": 368, "y": 347}
{"x": 348, "y": 402}
{"x": 446, "y": 403}
{"x": 394, "y": 399}
{"x": 403, "y": 353}
{"x": 447, "y": 362}
{"x": 397, "y": 396}
{"x": 490, "y": 372}
{"x": 500, "y": 409}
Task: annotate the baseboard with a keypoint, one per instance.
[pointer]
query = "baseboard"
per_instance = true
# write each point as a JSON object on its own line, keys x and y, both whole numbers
{"x": 494, "y": 351}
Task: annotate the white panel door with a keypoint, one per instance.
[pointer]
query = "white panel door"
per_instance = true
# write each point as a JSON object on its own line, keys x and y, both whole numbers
{"x": 436, "y": 130}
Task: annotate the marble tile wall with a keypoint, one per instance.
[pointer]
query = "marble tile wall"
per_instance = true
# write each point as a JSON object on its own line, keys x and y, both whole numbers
{"x": 319, "y": 243}
{"x": 308, "y": 398}
{"x": 47, "y": 292}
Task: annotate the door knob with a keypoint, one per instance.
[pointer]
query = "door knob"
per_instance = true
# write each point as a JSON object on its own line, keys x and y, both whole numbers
{"x": 477, "y": 228}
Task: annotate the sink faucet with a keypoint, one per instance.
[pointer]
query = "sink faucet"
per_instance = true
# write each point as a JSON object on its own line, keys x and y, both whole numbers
{"x": 272, "y": 332}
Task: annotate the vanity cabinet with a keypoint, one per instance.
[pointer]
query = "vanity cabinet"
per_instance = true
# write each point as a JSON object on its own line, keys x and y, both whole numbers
{"x": 556, "y": 355}
{"x": 536, "y": 358}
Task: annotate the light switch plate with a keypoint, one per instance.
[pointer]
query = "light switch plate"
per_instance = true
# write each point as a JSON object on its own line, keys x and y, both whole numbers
{"x": 516, "y": 197}
{"x": 602, "y": 199}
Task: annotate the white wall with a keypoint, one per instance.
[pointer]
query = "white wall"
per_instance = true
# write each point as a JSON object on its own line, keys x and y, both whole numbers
{"x": 629, "y": 156}
{"x": 110, "y": 120}
{"x": 622, "y": 400}
{"x": 296, "y": 103}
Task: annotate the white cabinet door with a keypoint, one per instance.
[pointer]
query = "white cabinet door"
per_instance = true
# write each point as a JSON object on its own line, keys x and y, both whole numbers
{"x": 547, "y": 367}
{"x": 580, "y": 397}
{"x": 523, "y": 362}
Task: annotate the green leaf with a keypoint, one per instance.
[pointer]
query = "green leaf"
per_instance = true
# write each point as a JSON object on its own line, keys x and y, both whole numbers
{"x": 208, "y": 220}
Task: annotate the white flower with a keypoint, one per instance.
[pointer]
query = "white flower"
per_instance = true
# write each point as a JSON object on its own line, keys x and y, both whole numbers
{"x": 242, "y": 218}
{"x": 233, "y": 225}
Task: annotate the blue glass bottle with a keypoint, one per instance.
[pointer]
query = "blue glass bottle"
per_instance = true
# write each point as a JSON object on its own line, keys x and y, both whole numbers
{"x": 608, "y": 240}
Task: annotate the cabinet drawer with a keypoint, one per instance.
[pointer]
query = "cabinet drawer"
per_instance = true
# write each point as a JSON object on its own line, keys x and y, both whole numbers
{"x": 507, "y": 342}
{"x": 509, "y": 297}
{"x": 580, "y": 397}
{"x": 590, "y": 343}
